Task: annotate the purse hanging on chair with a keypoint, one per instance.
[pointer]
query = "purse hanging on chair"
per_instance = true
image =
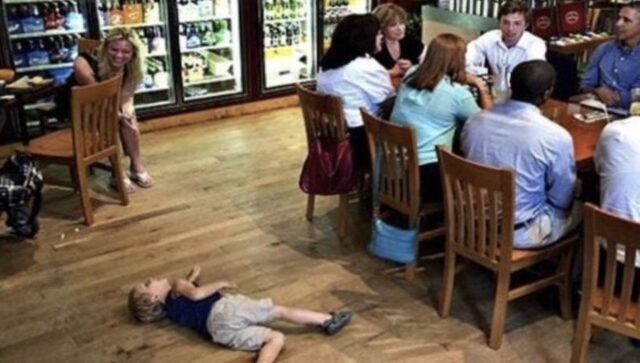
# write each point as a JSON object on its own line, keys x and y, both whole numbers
{"x": 329, "y": 168}
{"x": 387, "y": 241}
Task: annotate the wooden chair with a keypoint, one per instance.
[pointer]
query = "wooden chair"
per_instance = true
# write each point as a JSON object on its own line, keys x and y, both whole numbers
{"x": 602, "y": 306}
{"x": 324, "y": 117}
{"x": 7, "y": 74}
{"x": 92, "y": 137}
{"x": 479, "y": 210}
{"x": 88, "y": 45}
{"x": 393, "y": 147}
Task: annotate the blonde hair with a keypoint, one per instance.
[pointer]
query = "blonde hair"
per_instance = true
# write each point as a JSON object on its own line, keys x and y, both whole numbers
{"x": 134, "y": 68}
{"x": 445, "y": 57}
{"x": 389, "y": 14}
{"x": 143, "y": 307}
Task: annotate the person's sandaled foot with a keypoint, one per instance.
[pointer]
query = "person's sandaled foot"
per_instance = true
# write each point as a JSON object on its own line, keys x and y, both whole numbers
{"x": 143, "y": 179}
{"x": 128, "y": 186}
{"x": 337, "y": 321}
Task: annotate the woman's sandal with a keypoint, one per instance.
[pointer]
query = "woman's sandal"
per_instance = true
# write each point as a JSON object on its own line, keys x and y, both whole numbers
{"x": 143, "y": 179}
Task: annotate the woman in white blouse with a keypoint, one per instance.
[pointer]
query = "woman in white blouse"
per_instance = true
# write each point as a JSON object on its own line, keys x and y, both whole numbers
{"x": 349, "y": 71}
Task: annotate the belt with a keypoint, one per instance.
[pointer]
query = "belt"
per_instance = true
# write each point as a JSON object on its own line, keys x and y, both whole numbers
{"x": 522, "y": 224}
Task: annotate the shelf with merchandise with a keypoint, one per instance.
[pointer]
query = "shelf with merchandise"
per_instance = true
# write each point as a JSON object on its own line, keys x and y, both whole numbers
{"x": 46, "y": 33}
{"x": 136, "y": 25}
{"x": 206, "y": 47}
{"x": 209, "y": 95}
{"x": 286, "y": 20}
{"x": 44, "y": 67}
{"x": 152, "y": 89}
{"x": 210, "y": 79}
{"x": 205, "y": 18}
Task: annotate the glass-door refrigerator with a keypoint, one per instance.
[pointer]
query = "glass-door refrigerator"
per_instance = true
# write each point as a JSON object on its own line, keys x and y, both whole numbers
{"x": 289, "y": 42}
{"x": 148, "y": 18}
{"x": 209, "y": 38}
{"x": 334, "y": 10}
{"x": 43, "y": 37}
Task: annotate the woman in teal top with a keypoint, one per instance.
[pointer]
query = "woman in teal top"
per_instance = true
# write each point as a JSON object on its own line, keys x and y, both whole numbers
{"x": 434, "y": 99}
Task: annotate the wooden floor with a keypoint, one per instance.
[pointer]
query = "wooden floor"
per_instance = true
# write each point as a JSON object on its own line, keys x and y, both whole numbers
{"x": 227, "y": 198}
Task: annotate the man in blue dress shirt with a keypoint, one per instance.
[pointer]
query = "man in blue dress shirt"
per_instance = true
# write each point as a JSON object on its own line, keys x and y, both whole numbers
{"x": 614, "y": 68}
{"x": 516, "y": 135}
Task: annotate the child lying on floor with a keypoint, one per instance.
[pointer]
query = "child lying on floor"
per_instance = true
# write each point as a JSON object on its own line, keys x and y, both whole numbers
{"x": 231, "y": 320}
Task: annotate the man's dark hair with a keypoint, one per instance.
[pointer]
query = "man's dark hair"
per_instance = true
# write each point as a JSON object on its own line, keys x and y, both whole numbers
{"x": 515, "y": 6}
{"x": 531, "y": 81}
{"x": 633, "y": 5}
{"x": 354, "y": 37}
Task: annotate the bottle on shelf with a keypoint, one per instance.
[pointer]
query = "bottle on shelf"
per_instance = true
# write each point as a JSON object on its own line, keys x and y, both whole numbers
{"x": 207, "y": 35}
{"x": 268, "y": 9}
{"x": 71, "y": 45}
{"x": 56, "y": 55}
{"x": 38, "y": 55}
{"x": 102, "y": 13}
{"x": 20, "y": 58}
{"x": 33, "y": 21}
{"x": 115, "y": 14}
{"x": 158, "y": 44}
{"x": 13, "y": 20}
{"x": 193, "y": 39}
{"x": 151, "y": 11}
{"x": 133, "y": 12}
{"x": 205, "y": 8}
{"x": 182, "y": 37}
{"x": 267, "y": 36}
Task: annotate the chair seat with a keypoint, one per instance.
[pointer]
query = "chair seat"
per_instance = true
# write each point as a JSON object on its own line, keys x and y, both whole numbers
{"x": 519, "y": 254}
{"x": 614, "y": 305}
{"x": 57, "y": 144}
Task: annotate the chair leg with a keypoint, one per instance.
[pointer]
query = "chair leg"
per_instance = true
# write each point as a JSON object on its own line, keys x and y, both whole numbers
{"x": 85, "y": 194}
{"x": 343, "y": 215}
{"x": 448, "y": 278}
{"x": 410, "y": 271}
{"x": 117, "y": 168}
{"x": 499, "y": 310}
{"x": 565, "y": 286}
{"x": 311, "y": 201}
{"x": 582, "y": 335}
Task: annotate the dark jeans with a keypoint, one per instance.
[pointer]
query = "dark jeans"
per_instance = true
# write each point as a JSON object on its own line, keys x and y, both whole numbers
{"x": 430, "y": 183}
{"x": 360, "y": 147}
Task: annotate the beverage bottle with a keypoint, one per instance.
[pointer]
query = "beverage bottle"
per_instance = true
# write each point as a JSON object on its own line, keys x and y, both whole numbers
{"x": 143, "y": 39}
{"x": 115, "y": 15}
{"x": 277, "y": 10}
{"x": 71, "y": 46}
{"x": 289, "y": 33}
{"x": 20, "y": 57}
{"x": 102, "y": 13}
{"x": 205, "y": 8}
{"x": 152, "y": 12}
{"x": 55, "y": 51}
{"x": 283, "y": 35}
{"x": 268, "y": 9}
{"x": 224, "y": 34}
{"x": 302, "y": 11}
{"x": 158, "y": 44}
{"x": 133, "y": 11}
{"x": 40, "y": 56}
{"x": 193, "y": 40}
{"x": 34, "y": 22}
{"x": 182, "y": 37}
{"x": 73, "y": 19}
{"x": 13, "y": 20}
{"x": 208, "y": 37}
{"x": 285, "y": 9}
{"x": 267, "y": 36}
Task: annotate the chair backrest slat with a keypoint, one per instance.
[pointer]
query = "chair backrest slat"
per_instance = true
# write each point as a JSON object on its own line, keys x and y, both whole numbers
{"x": 478, "y": 198}
{"x": 609, "y": 234}
{"x": 88, "y": 45}
{"x": 95, "y": 117}
{"x": 323, "y": 115}
{"x": 395, "y": 145}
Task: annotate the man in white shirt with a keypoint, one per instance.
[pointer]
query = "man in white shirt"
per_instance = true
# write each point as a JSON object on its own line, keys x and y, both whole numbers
{"x": 617, "y": 160}
{"x": 503, "y": 49}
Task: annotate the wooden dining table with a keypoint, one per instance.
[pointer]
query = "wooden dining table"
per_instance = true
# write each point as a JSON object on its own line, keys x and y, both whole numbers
{"x": 16, "y": 99}
{"x": 585, "y": 135}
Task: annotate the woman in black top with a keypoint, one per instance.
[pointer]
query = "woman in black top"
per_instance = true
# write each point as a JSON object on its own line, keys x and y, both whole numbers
{"x": 399, "y": 52}
{"x": 119, "y": 53}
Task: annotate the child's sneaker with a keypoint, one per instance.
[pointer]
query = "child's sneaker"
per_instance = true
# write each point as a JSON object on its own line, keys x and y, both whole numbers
{"x": 337, "y": 321}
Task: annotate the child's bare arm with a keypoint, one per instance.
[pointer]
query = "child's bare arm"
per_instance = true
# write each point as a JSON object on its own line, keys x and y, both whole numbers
{"x": 192, "y": 292}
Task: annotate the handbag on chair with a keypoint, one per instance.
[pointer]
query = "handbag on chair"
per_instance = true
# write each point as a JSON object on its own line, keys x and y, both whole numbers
{"x": 328, "y": 169}
{"x": 393, "y": 243}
